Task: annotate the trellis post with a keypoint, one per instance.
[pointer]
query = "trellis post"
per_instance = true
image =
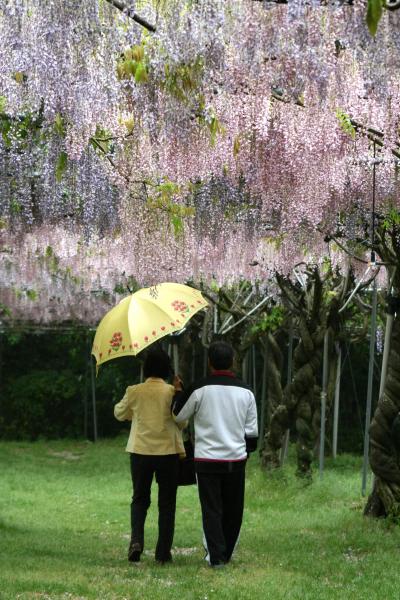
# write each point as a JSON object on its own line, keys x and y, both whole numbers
{"x": 369, "y": 389}
{"x": 323, "y": 404}
{"x": 254, "y": 372}
{"x": 94, "y": 409}
{"x": 175, "y": 357}
{"x": 336, "y": 402}
{"x": 285, "y": 445}
{"x": 263, "y": 400}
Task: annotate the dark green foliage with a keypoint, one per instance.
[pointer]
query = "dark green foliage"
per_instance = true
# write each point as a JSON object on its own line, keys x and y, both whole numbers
{"x": 353, "y": 396}
{"x": 45, "y": 387}
{"x": 46, "y": 391}
{"x": 41, "y": 403}
{"x": 20, "y": 128}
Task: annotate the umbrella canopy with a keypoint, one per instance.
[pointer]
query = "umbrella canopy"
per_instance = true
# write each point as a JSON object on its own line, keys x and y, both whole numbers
{"x": 143, "y": 318}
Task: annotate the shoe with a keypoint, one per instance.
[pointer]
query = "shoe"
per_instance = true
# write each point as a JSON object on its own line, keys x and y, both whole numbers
{"x": 219, "y": 565}
{"x": 162, "y": 561}
{"x": 134, "y": 552}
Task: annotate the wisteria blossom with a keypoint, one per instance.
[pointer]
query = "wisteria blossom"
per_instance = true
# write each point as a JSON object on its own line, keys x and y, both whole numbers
{"x": 222, "y": 146}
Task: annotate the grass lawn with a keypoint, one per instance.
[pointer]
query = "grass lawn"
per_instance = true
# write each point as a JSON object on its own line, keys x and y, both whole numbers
{"x": 64, "y": 532}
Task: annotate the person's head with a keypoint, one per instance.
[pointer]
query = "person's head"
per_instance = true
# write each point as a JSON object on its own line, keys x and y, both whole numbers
{"x": 157, "y": 364}
{"x": 220, "y": 355}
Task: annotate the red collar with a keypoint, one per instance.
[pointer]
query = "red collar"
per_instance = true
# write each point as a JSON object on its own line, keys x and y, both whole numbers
{"x": 224, "y": 372}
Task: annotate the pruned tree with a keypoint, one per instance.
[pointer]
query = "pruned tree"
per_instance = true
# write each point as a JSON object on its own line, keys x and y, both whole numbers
{"x": 384, "y": 499}
{"x": 315, "y": 307}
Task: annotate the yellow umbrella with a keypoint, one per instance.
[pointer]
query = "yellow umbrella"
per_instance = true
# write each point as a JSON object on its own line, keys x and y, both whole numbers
{"x": 143, "y": 318}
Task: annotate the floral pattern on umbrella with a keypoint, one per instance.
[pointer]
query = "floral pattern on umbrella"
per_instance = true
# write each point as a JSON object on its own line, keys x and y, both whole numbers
{"x": 180, "y": 306}
{"x": 116, "y": 341}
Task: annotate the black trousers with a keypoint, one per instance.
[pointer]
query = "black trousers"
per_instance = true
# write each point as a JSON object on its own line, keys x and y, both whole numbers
{"x": 165, "y": 467}
{"x": 222, "y": 501}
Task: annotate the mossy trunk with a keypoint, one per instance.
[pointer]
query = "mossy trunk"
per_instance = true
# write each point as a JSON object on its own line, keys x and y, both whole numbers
{"x": 299, "y": 404}
{"x": 385, "y": 438}
{"x": 305, "y": 391}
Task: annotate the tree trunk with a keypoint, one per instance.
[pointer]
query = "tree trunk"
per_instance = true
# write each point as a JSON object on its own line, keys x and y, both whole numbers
{"x": 297, "y": 409}
{"x": 305, "y": 390}
{"x": 385, "y": 438}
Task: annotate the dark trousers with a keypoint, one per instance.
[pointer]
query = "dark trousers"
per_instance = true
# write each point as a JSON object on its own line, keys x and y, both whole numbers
{"x": 143, "y": 467}
{"x": 222, "y": 501}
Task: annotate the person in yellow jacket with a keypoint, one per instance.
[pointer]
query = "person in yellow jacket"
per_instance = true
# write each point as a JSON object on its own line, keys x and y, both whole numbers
{"x": 155, "y": 444}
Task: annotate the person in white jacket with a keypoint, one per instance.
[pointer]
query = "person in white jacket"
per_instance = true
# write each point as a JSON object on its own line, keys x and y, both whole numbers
{"x": 225, "y": 426}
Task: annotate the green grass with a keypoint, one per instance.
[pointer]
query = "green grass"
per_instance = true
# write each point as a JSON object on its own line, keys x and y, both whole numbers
{"x": 64, "y": 532}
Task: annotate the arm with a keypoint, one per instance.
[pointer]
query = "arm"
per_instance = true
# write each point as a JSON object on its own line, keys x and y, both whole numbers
{"x": 183, "y": 405}
{"x": 251, "y": 427}
{"x": 123, "y": 410}
{"x": 178, "y": 385}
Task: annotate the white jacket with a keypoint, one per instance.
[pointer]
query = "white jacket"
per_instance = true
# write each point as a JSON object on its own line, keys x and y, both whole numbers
{"x": 225, "y": 417}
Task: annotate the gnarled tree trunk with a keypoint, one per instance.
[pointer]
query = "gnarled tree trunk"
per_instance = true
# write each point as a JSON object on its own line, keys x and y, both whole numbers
{"x": 315, "y": 307}
{"x": 385, "y": 438}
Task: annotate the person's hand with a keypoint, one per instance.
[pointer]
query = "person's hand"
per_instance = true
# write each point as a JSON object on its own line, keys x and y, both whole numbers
{"x": 177, "y": 383}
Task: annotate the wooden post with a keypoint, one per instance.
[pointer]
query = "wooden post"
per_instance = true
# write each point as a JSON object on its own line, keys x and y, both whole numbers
{"x": 285, "y": 445}
{"x": 254, "y": 371}
{"x": 323, "y": 404}
{"x": 175, "y": 357}
{"x": 263, "y": 402}
{"x": 336, "y": 403}
{"x": 86, "y": 388}
{"x": 369, "y": 389}
{"x": 205, "y": 361}
{"x": 93, "y": 399}
{"x": 193, "y": 365}
{"x": 245, "y": 369}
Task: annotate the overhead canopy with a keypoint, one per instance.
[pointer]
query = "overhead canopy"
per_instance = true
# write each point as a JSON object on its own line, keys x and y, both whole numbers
{"x": 162, "y": 155}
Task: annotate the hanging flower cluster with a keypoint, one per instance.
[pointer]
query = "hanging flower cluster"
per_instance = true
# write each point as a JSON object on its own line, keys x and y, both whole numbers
{"x": 221, "y": 147}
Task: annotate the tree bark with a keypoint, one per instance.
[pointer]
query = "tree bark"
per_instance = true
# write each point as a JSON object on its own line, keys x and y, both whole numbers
{"x": 316, "y": 308}
{"x": 385, "y": 438}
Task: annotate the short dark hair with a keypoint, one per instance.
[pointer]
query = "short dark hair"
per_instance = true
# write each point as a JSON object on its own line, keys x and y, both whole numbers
{"x": 220, "y": 355}
{"x": 157, "y": 364}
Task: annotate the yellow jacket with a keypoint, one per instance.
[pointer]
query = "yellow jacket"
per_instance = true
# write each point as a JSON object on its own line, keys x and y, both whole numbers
{"x": 153, "y": 430}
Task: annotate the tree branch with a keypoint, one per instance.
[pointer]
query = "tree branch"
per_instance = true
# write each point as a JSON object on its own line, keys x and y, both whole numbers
{"x": 376, "y": 136}
{"x": 130, "y": 13}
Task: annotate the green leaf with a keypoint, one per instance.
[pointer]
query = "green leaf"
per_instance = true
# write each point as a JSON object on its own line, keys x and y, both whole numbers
{"x": 20, "y": 77}
{"x": 345, "y": 123}
{"x": 236, "y": 146}
{"x": 374, "y": 14}
{"x": 59, "y": 125}
{"x": 177, "y": 224}
{"x": 141, "y": 75}
{"x": 130, "y": 67}
{"x": 3, "y": 103}
{"x": 32, "y": 294}
{"x": 15, "y": 207}
{"x": 61, "y": 165}
{"x": 214, "y": 286}
{"x": 4, "y": 310}
{"x": 5, "y": 128}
